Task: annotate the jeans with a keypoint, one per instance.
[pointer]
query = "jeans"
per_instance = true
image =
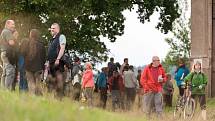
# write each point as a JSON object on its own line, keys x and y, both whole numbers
{"x": 8, "y": 74}
{"x": 23, "y": 85}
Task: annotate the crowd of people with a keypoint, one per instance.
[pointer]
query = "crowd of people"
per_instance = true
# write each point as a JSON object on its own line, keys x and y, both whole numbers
{"x": 153, "y": 87}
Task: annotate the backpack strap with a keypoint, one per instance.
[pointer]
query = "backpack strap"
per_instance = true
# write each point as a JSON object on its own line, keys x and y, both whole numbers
{"x": 192, "y": 77}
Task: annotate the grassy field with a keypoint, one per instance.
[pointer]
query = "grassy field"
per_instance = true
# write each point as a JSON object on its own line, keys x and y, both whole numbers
{"x": 17, "y": 106}
{"x": 24, "y": 107}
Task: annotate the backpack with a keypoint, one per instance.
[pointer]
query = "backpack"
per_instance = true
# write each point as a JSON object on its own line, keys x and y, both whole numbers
{"x": 12, "y": 55}
{"x": 67, "y": 60}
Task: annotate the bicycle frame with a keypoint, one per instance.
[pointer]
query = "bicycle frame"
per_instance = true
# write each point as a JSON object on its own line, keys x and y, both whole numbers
{"x": 184, "y": 104}
{"x": 187, "y": 92}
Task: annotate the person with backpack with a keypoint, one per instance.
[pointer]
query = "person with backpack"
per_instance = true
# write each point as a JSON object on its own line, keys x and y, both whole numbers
{"x": 181, "y": 72}
{"x": 34, "y": 56}
{"x": 102, "y": 86}
{"x": 55, "y": 62}
{"x": 8, "y": 38}
{"x": 198, "y": 81}
{"x": 116, "y": 88}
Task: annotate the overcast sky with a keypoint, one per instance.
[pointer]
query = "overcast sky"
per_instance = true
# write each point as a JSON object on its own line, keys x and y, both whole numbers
{"x": 140, "y": 41}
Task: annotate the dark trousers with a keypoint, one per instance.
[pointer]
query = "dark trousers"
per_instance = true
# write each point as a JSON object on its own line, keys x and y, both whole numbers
{"x": 181, "y": 90}
{"x": 77, "y": 91}
{"x": 167, "y": 100}
{"x": 202, "y": 100}
{"x": 117, "y": 100}
{"x": 130, "y": 97}
{"x": 103, "y": 97}
{"x": 57, "y": 73}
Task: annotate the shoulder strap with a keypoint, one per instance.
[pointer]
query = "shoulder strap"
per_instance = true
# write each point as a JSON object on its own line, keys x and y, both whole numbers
{"x": 193, "y": 73}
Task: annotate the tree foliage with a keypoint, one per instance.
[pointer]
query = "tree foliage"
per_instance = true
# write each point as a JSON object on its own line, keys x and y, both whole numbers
{"x": 180, "y": 44}
{"x": 84, "y": 22}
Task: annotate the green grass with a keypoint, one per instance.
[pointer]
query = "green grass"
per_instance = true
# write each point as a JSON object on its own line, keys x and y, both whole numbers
{"x": 23, "y": 107}
{"x": 15, "y": 106}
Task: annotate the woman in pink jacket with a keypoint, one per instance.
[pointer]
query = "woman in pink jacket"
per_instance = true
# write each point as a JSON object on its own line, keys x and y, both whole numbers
{"x": 88, "y": 84}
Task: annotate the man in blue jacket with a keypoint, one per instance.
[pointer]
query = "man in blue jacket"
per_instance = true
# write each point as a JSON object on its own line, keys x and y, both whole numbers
{"x": 181, "y": 72}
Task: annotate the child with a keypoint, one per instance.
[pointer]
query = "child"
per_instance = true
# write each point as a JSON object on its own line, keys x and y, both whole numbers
{"x": 168, "y": 91}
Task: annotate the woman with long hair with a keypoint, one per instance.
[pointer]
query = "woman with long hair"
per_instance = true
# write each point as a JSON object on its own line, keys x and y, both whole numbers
{"x": 35, "y": 60}
{"x": 198, "y": 81}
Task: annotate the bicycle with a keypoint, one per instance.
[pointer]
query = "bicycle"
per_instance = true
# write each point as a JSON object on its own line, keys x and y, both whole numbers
{"x": 185, "y": 105}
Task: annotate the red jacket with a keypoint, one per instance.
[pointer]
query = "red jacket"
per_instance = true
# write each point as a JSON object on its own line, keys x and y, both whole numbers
{"x": 148, "y": 82}
{"x": 120, "y": 82}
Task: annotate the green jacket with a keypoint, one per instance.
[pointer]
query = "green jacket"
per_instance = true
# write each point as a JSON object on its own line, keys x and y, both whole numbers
{"x": 196, "y": 80}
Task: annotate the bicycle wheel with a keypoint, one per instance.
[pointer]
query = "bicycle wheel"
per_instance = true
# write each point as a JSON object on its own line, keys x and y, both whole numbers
{"x": 178, "y": 111}
{"x": 189, "y": 108}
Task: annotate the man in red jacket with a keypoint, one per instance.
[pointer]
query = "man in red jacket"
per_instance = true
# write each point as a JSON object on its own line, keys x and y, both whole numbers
{"x": 152, "y": 79}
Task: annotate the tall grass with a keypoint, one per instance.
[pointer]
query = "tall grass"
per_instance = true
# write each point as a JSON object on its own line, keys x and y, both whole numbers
{"x": 23, "y": 107}
{"x": 15, "y": 106}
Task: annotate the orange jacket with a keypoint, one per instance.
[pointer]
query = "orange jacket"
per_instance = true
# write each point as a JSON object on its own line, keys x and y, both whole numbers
{"x": 148, "y": 82}
{"x": 87, "y": 79}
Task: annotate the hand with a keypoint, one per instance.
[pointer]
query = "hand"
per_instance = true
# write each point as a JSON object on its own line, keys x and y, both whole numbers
{"x": 57, "y": 62}
{"x": 82, "y": 88}
{"x": 183, "y": 83}
{"x": 200, "y": 86}
{"x": 47, "y": 64}
{"x": 160, "y": 80}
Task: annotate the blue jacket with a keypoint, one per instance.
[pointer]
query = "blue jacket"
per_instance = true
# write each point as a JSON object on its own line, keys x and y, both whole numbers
{"x": 180, "y": 74}
{"x": 102, "y": 80}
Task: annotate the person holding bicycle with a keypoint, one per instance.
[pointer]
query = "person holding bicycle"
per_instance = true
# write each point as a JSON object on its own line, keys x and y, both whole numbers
{"x": 181, "y": 72}
{"x": 198, "y": 81}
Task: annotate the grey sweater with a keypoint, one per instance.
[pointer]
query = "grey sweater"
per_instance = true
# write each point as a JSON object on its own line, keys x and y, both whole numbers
{"x": 130, "y": 80}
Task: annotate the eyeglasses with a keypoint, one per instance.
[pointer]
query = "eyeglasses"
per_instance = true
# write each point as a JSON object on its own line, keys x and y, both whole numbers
{"x": 51, "y": 29}
{"x": 156, "y": 60}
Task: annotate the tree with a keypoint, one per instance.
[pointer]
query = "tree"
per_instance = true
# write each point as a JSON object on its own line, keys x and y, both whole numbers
{"x": 84, "y": 22}
{"x": 180, "y": 43}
